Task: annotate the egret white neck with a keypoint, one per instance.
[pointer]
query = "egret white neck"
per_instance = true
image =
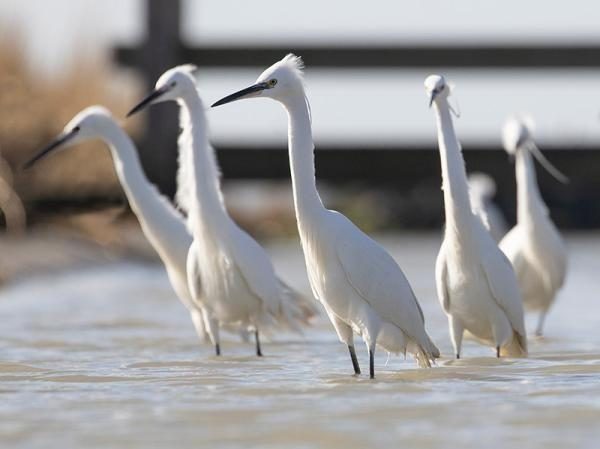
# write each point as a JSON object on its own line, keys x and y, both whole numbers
{"x": 454, "y": 177}
{"x": 301, "y": 152}
{"x": 529, "y": 200}
{"x": 207, "y": 208}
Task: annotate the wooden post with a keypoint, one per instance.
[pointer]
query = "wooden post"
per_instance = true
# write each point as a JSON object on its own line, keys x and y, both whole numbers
{"x": 160, "y": 52}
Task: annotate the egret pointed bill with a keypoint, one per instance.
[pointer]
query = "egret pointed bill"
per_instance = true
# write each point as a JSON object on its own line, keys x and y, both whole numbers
{"x": 61, "y": 140}
{"x": 432, "y": 97}
{"x": 248, "y": 92}
{"x": 148, "y": 100}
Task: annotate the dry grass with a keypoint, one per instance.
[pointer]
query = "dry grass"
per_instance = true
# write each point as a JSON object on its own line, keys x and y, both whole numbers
{"x": 33, "y": 110}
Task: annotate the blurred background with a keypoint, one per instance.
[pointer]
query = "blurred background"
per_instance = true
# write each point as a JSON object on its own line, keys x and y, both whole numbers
{"x": 377, "y": 158}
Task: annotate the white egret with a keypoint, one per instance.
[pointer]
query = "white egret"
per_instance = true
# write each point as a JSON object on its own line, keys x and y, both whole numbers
{"x": 239, "y": 284}
{"x": 162, "y": 224}
{"x": 482, "y": 189}
{"x": 359, "y": 284}
{"x": 476, "y": 284}
{"x": 534, "y": 245}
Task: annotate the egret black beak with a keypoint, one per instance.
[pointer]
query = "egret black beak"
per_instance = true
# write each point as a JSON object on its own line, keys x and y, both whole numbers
{"x": 432, "y": 97}
{"x": 244, "y": 93}
{"x": 58, "y": 142}
{"x": 149, "y": 99}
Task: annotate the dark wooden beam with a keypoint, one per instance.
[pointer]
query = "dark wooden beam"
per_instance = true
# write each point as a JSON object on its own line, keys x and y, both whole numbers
{"x": 160, "y": 51}
{"x": 410, "y": 174}
{"x": 417, "y": 56}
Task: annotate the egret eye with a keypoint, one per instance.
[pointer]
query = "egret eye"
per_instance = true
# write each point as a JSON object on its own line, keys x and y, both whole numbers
{"x": 272, "y": 82}
{"x": 174, "y": 83}
{"x": 76, "y": 129}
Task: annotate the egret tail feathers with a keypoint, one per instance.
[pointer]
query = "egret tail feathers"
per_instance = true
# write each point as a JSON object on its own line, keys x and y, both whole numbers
{"x": 425, "y": 354}
{"x": 516, "y": 348}
{"x": 296, "y": 310}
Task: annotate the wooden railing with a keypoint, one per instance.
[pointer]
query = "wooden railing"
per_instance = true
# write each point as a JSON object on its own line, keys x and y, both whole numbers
{"x": 163, "y": 48}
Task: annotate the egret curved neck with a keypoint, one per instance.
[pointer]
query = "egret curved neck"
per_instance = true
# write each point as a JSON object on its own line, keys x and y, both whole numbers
{"x": 207, "y": 208}
{"x": 529, "y": 200}
{"x": 128, "y": 168}
{"x": 159, "y": 220}
{"x": 454, "y": 177}
{"x": 301, "y": 153}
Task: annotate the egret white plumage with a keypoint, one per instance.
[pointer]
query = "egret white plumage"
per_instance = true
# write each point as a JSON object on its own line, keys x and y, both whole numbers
{"x": 534, "y": 246}
{"x": 482, "y": 189}
{"x": 239, "y": 284}
{"x": 359, "y": 284}
{"x": 476, "y": 284}
{"x": 162, "y": 224}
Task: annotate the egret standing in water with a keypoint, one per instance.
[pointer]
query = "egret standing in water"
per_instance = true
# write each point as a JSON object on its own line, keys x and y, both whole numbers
{"x": 476, "y": 284}
{"x": 239, "y": 284}
{"x": 534, "y": 245}
{"x": 162, "y": 224}
{"x": 482, "y": 189}
{"x": 359, "y": 284}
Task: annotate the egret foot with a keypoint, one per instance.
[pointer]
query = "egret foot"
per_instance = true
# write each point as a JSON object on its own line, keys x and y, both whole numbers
{"x": 457, "y": 356}
{"x": 355, "y": 364}
{"x": 258, "y": 351}
{"x": 218, "y": 349}
{"x": 498, "y": 351}
{"x": 371, "y": 364}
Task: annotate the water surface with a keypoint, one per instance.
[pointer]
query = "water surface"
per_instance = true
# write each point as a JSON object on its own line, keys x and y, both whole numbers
{"x": 106, "y": 357}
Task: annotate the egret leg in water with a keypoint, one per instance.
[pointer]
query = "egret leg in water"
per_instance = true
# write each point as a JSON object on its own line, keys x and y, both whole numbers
{"x": 372, "y": 363}
{"x": 258, "y": 350}
{"x": 355, "y": 364}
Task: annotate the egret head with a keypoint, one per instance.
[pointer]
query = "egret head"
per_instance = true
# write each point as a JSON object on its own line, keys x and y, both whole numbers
{"x": 516, "y": 134}
{"x": 436, "y": 88}
{"x": 282, "y": 80}
{"x": 88, "y": 124}
{"x": 174, "y": 84}
{"x": 517, "y": 137}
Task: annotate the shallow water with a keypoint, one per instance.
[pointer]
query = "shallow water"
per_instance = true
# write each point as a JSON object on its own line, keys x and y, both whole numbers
{"x": 107, "y": 358}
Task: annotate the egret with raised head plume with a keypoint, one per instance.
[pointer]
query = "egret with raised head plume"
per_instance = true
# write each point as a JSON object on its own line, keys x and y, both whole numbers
{"x": 359, "y": 284}
{"x": 162, "y": 224}
{"x": 476, "y": 284}
{"x": 534, "y": 246}
{"x": 239, "y": 284}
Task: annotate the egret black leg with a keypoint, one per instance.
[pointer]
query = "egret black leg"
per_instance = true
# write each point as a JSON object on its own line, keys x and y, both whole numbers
{"x": 498, "y": 351}
{"x": 457, "y": 356}
{"x": 258, "y": 351}
{"x": 355, "y": 364}
{"x": 218, "y": 349}
{"x": 372, "y": 363}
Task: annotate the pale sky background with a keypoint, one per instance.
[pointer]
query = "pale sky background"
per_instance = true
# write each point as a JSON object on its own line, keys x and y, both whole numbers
{"x": 349, "y": 106}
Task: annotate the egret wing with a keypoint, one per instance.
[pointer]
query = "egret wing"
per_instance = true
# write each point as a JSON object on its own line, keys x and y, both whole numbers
{"x": 503, "y": 285}
{"x": 376, "y": 277}
{"x": 255, "y": 267}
